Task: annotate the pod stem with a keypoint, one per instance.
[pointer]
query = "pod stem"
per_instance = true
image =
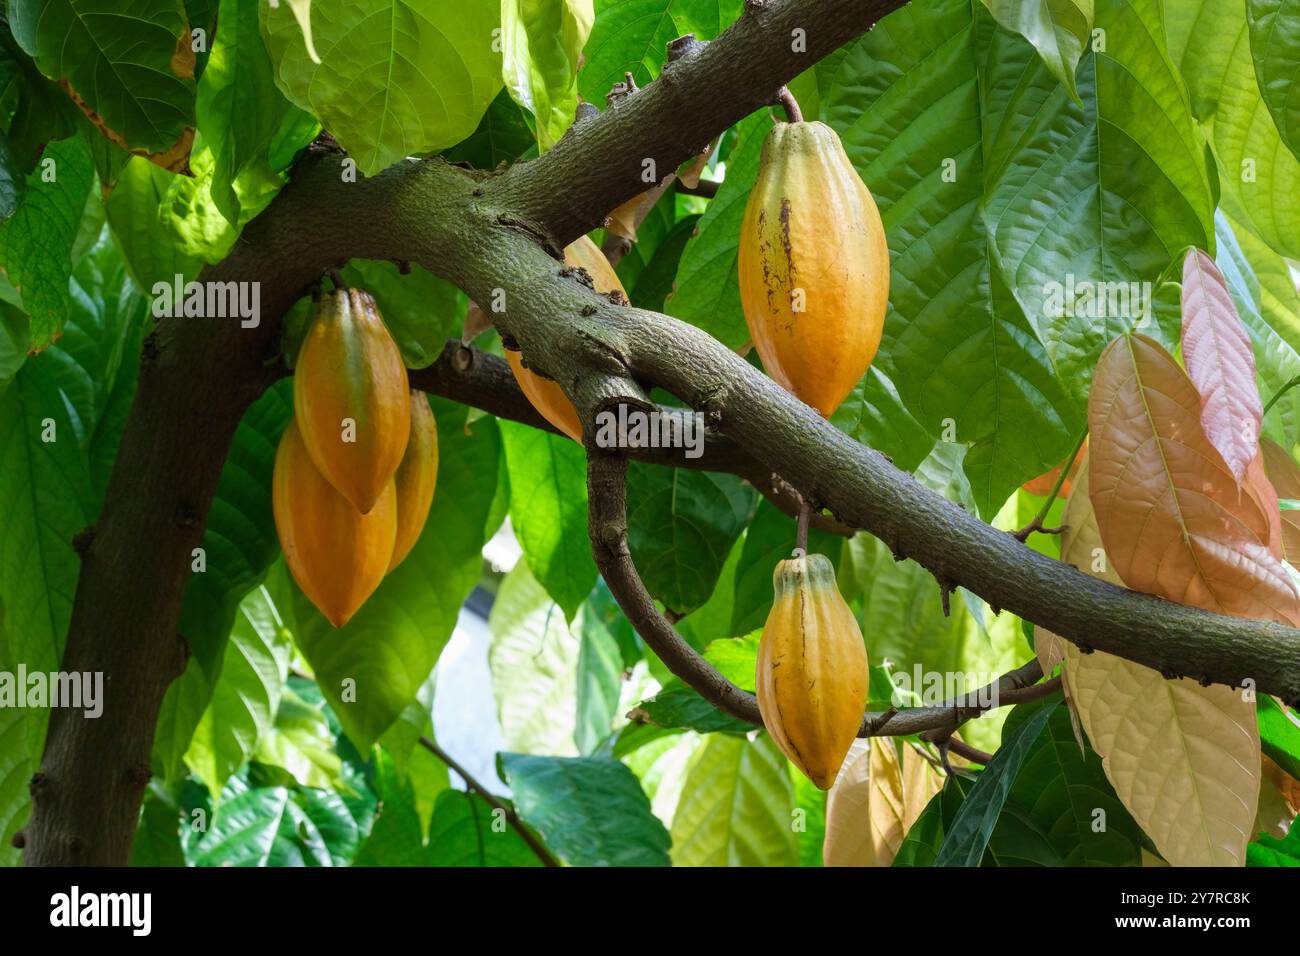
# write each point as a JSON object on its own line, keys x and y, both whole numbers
{"x": 801, "y": 529}
{"x": 785, "y": 99}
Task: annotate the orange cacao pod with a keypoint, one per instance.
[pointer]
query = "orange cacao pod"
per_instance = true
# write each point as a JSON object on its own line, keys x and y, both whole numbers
{"x": 814, "y": 266}
{"x": 416, "y": 478}
{"x": 337, "y": 555}
{"x": 811, "y": 679}
{"x": 350, "y": 396}
{"x": 547, "y": 397}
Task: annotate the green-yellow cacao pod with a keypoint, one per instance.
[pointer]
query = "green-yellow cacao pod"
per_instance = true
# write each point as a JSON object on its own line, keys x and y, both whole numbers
{"x": 811, "y": 678}
{"x": 337, "y": 555}
{"x": 547, "y": 397}
{"x": 351, "y": 398}
{"x": 814, "y": 266}
{"x": 416, "y": 478}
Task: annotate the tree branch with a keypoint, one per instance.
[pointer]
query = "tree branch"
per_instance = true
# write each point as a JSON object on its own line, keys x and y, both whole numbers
{"x": 539, "y": 849}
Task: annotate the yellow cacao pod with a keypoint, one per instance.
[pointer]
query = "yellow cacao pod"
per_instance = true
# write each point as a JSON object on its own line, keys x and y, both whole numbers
{"x": 811, "y": 679}
{"x": 350, "y": 396}
{"x": 337, "y": 555}
{"x": 814, "y": 266}
{"x": 416, "y": 478}
{"x": 547, "y": 397}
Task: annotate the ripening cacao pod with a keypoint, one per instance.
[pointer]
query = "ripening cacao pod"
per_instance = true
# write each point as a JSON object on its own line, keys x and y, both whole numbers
{"x": 337, "y": 555}
{"x": 547, "y": 397}
{"x": 350, "y": 396}
{"x": 416, "y": 478}
{"x": 811, "y": 679}
{"x": 814, "y": 266}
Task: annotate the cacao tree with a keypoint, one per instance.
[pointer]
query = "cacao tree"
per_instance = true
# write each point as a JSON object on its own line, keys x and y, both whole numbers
{"x": 626, "y": 432}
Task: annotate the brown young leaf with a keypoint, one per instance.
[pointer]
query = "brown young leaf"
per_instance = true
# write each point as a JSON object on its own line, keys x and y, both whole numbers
{"x": 1184, "y": 759}
{"x": 1170, "y": 513}
{"x": 875, "y": 800}
{"x": 1221, "y": 364}
{"x": 1284, "y": 473}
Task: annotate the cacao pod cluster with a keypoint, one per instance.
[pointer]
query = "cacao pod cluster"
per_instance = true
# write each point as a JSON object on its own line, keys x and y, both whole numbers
{"x": 547, "y": 396}
{"x": 356, "y": 468}
{"x": 814, "y": 285}
{"x": 811, "y": 677}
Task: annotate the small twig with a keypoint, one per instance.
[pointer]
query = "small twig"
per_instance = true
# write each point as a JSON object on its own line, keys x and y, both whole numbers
{"x": 973, "y": 754}
{"x": 1280, "y": 392}
{"x": 512, "y": 818}
{"x": 706, "y": 188}
{"x": 1037, "y": 524}
{"x": 785, "y": 99}
{"x": 801, "y": 529}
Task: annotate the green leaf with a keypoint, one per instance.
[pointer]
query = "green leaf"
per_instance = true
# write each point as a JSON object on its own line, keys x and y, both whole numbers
{"x": 1261, "y": 286}
{"x": 1275, "y": 49}
{"x": 420, "y": 310}
{"x": 133, "y": 214}
{"x": 13, "y": 184}
{"x": 736, "y": 806}
{"x": 278, "y": 826}
{"x": 769, "y": 541}
{"x": 393, "y": 80}
{"x": 655, "y": 281}
{"x": 534, "y": 661}
{"x": 600, "y": 680}
{"x": 1279, "y": 734}
{"x": 41, "y": 111}
{"x": 548, "y": 510}
{"x": 239, "y": 111}
{"x": 632, "y": 36}
{"x": 465, "y": 831}
{"x": 875, "y": 415}
{"x": 158, "y": 837}
{"x": 542, "y": 42}
{"x": 503, "y": 136}
{"x": 396, "y": 839}
{"x": 712, "y": 620}
{"x": 301, "y": 743}
{"x": 680, "y": 528}
{"x": 1270, "y": 851}
{"x": 244, "y": 703}
{"x": 921, "y": 845}
{"x": 707, "y": 291}
{"x": 966, "y": 839}
{"x": 132, "y": 64}
{"x": 36, "y": 243}
{"x": 811, "y": 827}
{"x": 189, "y": 217}
{"x": 18, "y": 761}
{"x": 1210, "y": 42}
{"x": 388, "y": 649}
{"x": 591, "y": 811}
{"x": 678, "y": 706}
{"x": 1058, "y": 29}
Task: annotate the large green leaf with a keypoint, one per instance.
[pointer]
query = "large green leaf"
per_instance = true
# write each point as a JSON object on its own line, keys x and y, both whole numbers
{"x": 466, "y": 831}
{"x": 132, "y": 63}
{"x": 968, "y": 836}
{"x": 1275, "y": 49}
{"x": 541, "y": 42}
{"x": 1210, "y": 41}
{"x": 769, "y": 541}
{"x": 1058, "y": 29}
{"x": 245, "y": 700}
{"x": 41, "y": 111}
{"x": 382, "y": 657}
{"x": 133, "y": 215}
{"x": 707, "y": 290}
{"x": 548, "y": 511}
{"x": 36, "y": 243}
{"x": 678, "y": 706}
{"x": 534, "y": 661}
{"x": 631, "y": 36}
{"x": 158, "y": 836}
{"x": 681, "y": 525}
{"x": 600, "y": 680}
{"x": 301, "y": 741}
{"x": 277, "y": 826}
{"x": 238, "y": 546}
{"x": 503, "y": 136}
{"x": 18, "y": 761}
{"x": 736, "y": 807}
{"x": 240, "y": 113}
{"x": 396, "y": 77}
{"x": 396, "y": 839}
{"x": 591, "y": 811}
